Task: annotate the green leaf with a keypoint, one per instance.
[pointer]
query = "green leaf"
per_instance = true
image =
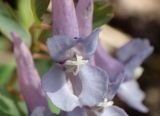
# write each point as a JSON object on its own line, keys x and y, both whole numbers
{"x": 39, "y": 7}
{"x": 8, "y": 24}
{"x": 102, "y": 14}
{"x": 19, "y": 105}
{"x": 7, "y": 107}
{"x": 25, "y": 13}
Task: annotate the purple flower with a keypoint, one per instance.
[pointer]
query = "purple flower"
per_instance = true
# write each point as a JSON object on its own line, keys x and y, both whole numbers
{"x": 29, "y": 80}
{"x": 129, "y": 57}
{"x": 132, "y": 55}
{"x": 74, "y": 81}
{"x": 107, "y": 111}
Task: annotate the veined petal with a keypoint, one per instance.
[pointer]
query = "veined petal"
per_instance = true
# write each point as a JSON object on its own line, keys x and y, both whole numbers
{"x": 76, "y": 112}
{"x": 54, "y": 79}
{"x": 42, "y": 111}
{"x": 94, "y": 84}
{"x": 114, "y": 111}
{"x": 131, "y": 93}
{"x": 90, "y": 43}
{"x": 64, "y": 98}
{"x": 58, "y": 90}
{"x": 60, "y": 47}
{"x": 114, "y": 86}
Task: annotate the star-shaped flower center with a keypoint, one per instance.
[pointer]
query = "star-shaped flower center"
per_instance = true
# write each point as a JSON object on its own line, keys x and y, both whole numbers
{"x": 105, "y": 103}
{"x": 76, "y": 64}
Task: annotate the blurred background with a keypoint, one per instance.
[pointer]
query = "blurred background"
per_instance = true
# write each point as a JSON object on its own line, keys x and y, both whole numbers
{"x": 123, "y": 19}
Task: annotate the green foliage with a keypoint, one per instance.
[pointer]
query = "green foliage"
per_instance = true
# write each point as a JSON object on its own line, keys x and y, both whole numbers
{"x": 39, "y": 7}
{"x": 25, "y": 13}
{"x": 102, "y": 14}
{"x": 10, "y": 106}
{"x": 9, "y": 23}
{"x": 7, "y": 107}
{"x": 6, "y": 73}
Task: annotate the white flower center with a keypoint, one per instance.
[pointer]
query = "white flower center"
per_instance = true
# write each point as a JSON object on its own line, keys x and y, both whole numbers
{"x": 76, "y": 64}
{"x": 105, "y": 103}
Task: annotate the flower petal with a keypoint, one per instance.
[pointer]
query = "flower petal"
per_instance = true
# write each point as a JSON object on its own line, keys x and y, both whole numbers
{"x": 107, "y": 63}
{"x": 64, "y": 18}
{"x": 54, "y": 79}
{"x": 59, "y": 47}
{"x": 133, "y": 54}
{"x": 114, "y": 111}
{"x": 90, "y": 43}
{"x": 130, "y": 49}
{"x": 84, "y": 11}
{"x": 114, "y": 86}
{"x": 136, "y": 61}
{"x": 76, "y": 112}
{"x": 42, "y": 111}
{"x": 58, "y": 89}
{"x": 130, "y": 93}
{"x": 28, "y": 77}
{"x": 94, "y": 84}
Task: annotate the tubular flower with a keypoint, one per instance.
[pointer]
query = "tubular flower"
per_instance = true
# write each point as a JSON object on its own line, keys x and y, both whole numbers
{"x": 74, "y": 81}
{"x": 132, "y": 55}
{"x": 128, "y": 58}
{"x": 29, "y": 79}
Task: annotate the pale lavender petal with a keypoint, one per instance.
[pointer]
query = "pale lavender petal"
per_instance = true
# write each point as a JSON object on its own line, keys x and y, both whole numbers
{"x": 114, "y": 86}
{"x": 133, "y": 54}
{"x": 60, "y": 47}
{"x": 28, "y": 76}
{"x": 54, "y": 79}
{"x": 114, "y": 111}
{"x": 130, "y": 49}
{"x": 84, "y": 11}
{"x": 64, "y": 98}
{"x": 76, "y": 112}
{"x": 137, "y": 60}
{"x": 42, "y": 111}
{"x": 58, "y": 89}
{"x": 90, "y": 43}
{"x": 94, "y": 85}
{"x": 131, "y": 93}
{"x": 64, "y": 18}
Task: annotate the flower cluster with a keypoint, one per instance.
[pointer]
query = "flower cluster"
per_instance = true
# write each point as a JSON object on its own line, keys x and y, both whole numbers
{"x": 84, "y": 78}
